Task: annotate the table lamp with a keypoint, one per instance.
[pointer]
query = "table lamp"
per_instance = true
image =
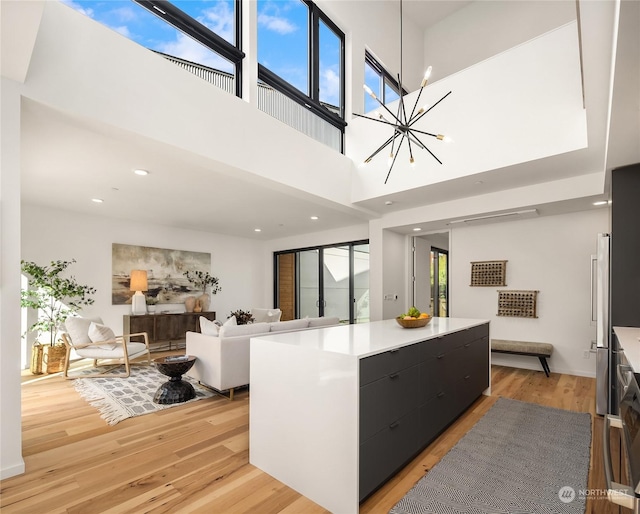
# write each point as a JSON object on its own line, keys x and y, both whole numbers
{"x": 138, "y": 284}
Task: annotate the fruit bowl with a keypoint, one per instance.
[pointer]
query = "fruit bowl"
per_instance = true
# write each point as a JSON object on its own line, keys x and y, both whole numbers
{"x": 413, "y": 323}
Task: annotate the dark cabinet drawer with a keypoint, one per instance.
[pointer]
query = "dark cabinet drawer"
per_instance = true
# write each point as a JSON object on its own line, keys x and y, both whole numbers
{"x": 377, "y": 366}
{"x": 474, "y": 356}
{"x": 386, "y": 400}
{"x": 382, "y": 455}
{"x": 435, "y": 415}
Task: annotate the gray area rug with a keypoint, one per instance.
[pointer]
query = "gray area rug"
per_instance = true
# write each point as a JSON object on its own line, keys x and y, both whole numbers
{"x": 121, "y": 398}
{"x": 519, "y": 458}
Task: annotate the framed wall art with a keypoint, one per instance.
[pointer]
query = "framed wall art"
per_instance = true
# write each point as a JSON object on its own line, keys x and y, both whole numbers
{"x": 165, "y": 272}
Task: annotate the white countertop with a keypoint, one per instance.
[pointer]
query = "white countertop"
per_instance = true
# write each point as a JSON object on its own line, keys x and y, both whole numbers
{"x": 364, "y": 339}
{"x": 629, "y": 338}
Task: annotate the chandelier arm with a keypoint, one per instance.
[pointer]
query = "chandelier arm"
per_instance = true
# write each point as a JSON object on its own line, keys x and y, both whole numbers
{"x": 410, "y": 150}
{"x": 415, "y": 105}
{"x": 412, "y": 137}
{"x": 387, "y": 109}
{"x": 377, "y": 120}
{"x": 425, "y": 147}
{"x": 417, "y": 117}
{"x": 394, "y": 159}
{"x": 381, "y": 147}
{"x": 423, "y": 132}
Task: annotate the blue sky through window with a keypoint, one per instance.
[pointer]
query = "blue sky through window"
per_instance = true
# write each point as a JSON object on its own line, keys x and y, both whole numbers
{"x": 283, "y": 28}
{"x": 139, "y": 25}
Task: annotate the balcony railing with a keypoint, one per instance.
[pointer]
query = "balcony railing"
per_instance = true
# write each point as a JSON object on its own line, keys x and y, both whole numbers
{"x": 273, "y": 103}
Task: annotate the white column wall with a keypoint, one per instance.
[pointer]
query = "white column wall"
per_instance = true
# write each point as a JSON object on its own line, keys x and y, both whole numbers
{"x": 11, "y": 462}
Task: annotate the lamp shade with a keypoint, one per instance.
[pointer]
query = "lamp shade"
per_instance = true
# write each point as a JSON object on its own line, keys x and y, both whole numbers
{"x": 138, "y": 280}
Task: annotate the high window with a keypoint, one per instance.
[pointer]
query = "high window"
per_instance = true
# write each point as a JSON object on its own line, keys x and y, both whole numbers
{"x": 380, "y": 81}
{"x": 202, "y": 37}
{"x": 301, "y": 57}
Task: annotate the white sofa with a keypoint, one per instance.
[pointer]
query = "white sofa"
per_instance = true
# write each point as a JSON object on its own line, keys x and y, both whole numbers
{"x": 223, "y": 361}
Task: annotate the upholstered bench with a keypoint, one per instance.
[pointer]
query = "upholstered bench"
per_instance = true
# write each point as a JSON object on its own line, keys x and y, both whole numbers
{"x": 540, "y": 350}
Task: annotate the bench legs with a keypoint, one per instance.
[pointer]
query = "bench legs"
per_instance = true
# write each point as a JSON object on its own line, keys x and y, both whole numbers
{"x": 545, "y": 365}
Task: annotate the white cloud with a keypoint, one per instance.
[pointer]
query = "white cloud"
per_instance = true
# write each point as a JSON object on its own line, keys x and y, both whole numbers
{"x": 124, "y": 13}
{"x": 79, "y": 8}
{"x": 186, "y": 48}
{"x": 330, "y": 87}
{"x": 276, "y": 24}
{"x": 123, "y": 30}
{"x": 220, "y": 19}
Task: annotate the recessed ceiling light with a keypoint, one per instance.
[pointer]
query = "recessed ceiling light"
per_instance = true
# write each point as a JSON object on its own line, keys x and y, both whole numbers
{"x": 257, "y": 230}
{"x": 97, "y": 200}
{"x": 141, "y": 172}
{"x": 388, "y": 202}
{"x": 601, "y": 202}
{"x": 417, "y": 229}
{"x": 314, "y": 217}
{"x": 478, "y": 183}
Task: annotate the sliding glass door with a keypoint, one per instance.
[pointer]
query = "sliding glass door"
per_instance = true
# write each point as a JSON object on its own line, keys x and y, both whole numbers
{"x": 324, "y": 281}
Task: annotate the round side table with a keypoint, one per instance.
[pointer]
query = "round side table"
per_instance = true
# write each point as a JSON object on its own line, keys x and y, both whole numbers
{"x": 175, "y": 390}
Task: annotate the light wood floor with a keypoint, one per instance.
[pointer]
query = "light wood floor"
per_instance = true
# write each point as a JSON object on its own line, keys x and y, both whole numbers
{"x": 195, "y": 457}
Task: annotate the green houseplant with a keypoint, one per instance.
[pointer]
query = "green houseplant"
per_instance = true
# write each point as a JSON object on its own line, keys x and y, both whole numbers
{"x": 55, "y": 298}
{"x": 201, "y": 280}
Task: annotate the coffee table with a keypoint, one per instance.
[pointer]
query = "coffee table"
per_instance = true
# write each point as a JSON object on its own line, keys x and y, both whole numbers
{"x": 175, "y": 390}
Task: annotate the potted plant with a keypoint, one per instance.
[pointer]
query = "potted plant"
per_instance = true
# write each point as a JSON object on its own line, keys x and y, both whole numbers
{"x": 151, "y": 302}
{"x": 55, "y": 298}
{"x": 201, "y": 280}
{"x": 242, "y": 317}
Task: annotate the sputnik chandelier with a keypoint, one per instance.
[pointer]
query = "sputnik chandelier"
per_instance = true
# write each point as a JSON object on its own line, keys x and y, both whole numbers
{"x": 403, "y": 125}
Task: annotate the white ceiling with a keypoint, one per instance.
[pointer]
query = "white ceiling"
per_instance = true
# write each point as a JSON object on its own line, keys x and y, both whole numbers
{"x": 98, "y": 161}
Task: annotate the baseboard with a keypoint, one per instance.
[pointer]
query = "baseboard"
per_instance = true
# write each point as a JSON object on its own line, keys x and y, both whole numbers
{"x": 12, "y": 471}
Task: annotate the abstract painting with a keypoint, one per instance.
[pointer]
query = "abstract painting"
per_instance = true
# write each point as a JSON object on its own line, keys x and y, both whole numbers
{"x": 165, "y": 272}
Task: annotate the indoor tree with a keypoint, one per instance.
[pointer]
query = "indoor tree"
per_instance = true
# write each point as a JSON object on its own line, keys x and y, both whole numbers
{"x": 55, "y": 297}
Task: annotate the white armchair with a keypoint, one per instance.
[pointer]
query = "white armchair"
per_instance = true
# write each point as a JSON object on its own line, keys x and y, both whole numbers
{"x": 92, "y": 340}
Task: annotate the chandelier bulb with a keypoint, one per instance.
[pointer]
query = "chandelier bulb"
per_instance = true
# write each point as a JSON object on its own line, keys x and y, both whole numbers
{"x": 369, "y": 92}
{"x": 379, "y": 115}
{"x": 412, "y": 162}
{"x": 427, "y": 74}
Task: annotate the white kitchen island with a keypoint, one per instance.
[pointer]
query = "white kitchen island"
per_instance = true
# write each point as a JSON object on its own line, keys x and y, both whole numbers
{"x": 335, "y": 411}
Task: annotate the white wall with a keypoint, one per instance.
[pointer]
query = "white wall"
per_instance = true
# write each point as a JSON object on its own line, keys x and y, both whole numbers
{"x": 482, "y": 29}
{"x": 395, "y": 262}
{"x": 49, "y": 234}
{"x": 550, "y": 254}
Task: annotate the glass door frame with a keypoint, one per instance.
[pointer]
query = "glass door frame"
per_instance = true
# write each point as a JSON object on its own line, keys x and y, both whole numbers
{"x": 435, "y": 292}
{"x": 321, "y": 296}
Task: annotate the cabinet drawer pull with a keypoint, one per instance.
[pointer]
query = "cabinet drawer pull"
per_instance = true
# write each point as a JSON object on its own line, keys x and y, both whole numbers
{"x": 467, "y": 345}
{"x": 467, "y": 377}
{"x": 440, "y": 394}
{"x": 394, "y": 425}
{"x": 440, "y": 356}
{"x": 394, "y": 375}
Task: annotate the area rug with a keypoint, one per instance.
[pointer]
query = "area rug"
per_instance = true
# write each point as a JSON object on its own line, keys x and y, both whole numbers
{"x": 120, "y": 398}
{"x": 519, "y": 458}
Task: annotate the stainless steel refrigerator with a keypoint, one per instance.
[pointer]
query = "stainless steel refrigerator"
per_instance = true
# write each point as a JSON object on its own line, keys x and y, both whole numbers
{"x": 601, "y": 315}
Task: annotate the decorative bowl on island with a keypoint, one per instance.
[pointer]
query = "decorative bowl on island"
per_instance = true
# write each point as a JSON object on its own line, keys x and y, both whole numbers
{"x": 413, "y": 323}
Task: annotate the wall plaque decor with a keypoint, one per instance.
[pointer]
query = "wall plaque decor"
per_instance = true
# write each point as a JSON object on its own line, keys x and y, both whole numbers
{"x": 165, "y": 272}
{"x": 522, "y": 304}
{"x": 488, "y": 273}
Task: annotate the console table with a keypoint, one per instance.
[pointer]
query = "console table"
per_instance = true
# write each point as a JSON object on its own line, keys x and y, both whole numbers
{"x": 165, "y": 328}
{"x": 336, "y": 411}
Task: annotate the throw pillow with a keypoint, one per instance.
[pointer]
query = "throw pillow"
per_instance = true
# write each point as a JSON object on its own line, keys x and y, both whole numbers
{"x": 99, "y": 333}
{"x": 208, "y": 327}
{"x": 266, "y": 315}
{"x": 231, "y": 322}
{"x": 78, "y": 329}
